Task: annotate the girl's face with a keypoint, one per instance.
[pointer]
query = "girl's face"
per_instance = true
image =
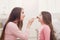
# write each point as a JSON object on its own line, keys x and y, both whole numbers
{"x": 22, "y": 14}
{"x": 40, "y": 18}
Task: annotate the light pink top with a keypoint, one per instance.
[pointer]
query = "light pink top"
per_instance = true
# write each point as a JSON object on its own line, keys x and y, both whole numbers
{"x": 44, "y": 33}
{"x": 12, "y": 32}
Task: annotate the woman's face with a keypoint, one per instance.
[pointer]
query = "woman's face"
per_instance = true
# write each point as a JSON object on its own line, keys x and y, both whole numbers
{"x": 22, "y": 14}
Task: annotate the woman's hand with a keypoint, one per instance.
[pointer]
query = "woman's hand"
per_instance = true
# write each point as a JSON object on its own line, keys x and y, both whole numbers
{"x": 30, "y": 22}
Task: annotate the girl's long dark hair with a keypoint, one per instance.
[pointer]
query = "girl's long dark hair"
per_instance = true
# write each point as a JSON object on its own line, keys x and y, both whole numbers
{"x": 15, "y": 14}
{"x": 48, "y": 20}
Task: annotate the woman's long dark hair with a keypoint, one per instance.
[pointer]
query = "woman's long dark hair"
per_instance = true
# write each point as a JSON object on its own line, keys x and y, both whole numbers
{"x": 48, "y": 20}
{"x": 15, "y": 14}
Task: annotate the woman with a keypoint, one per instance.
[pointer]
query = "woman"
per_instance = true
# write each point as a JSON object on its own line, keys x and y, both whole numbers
{"x": 46, "y": 32}
{"x": 13, "y": 26}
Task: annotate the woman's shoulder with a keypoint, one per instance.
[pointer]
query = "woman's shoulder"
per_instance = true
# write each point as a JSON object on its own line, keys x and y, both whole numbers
{"x": 11, "y": 23}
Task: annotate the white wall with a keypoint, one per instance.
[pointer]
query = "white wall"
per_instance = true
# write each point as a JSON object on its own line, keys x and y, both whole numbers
{"x": 7, "y": 5}
{"x": 32, "y": 8}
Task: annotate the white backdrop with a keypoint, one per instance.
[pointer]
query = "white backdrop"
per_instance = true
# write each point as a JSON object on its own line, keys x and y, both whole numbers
{"x": 32, "y": 8}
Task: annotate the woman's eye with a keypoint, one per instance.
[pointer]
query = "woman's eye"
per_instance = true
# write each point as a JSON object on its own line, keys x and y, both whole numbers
{"x": 22, "y": 12}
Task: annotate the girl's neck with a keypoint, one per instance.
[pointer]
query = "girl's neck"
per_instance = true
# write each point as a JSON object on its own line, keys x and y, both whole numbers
{"x": 43, "y": 23}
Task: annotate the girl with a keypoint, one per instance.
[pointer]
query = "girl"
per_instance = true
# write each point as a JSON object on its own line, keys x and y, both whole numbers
{"x": 46, "y": 32}
{"x": 13, "y": 26}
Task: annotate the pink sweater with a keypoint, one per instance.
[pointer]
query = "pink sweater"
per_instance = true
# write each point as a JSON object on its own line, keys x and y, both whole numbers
{"x": 12, "y": 32}
{"x": 44, "y": 33}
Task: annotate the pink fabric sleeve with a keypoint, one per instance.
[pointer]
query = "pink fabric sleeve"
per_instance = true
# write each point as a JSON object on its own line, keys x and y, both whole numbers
{"x": 15, "y": 31}
{"x": 46, "y": 33}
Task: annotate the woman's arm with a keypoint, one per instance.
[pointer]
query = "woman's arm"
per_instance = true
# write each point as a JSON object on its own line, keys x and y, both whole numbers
{"x": 16, "y": 32}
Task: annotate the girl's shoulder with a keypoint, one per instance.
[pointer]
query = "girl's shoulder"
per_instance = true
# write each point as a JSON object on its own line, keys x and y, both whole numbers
{"x": 46, "y": 27}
